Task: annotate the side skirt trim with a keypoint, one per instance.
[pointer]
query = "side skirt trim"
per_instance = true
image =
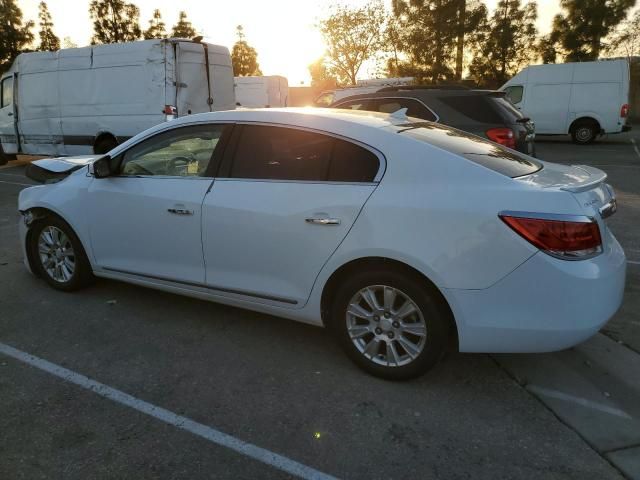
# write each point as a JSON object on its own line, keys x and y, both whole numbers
{"x": 208, "y": 287}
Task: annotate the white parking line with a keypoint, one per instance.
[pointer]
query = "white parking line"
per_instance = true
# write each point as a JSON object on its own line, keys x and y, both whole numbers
{"x": 16, "y": 183}
{"x": 214, "y": 436}
{"x": 635, "y": 147}
{"x": 633, "y": 262}
{"x": 545, "y": 392}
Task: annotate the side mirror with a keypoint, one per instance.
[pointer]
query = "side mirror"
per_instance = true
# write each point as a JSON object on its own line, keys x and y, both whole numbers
{"x": 102, "y": 167}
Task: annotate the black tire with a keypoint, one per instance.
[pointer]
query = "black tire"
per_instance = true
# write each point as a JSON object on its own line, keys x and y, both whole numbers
{"x": 6, "y": 157}
{"x": 584, "y": 132}
{"x": 105, "y": 145}
{"x": 82, "y": 274}
{"x": 434, "y": 314}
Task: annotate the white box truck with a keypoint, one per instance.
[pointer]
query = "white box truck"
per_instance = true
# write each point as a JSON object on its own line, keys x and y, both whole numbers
{"x": 87, "y": 100}
{"x": 262, "y": 92}
{"x": 584, "y": 99}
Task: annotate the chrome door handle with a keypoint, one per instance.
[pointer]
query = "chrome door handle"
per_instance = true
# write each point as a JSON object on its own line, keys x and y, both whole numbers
{"x": 180, "y": 211}
{"x": 323, "y": 221}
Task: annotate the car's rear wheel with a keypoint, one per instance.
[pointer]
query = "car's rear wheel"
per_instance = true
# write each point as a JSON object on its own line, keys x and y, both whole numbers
{"x": 584, "y": 132}
{"x": 390, "y": 324}
{"x": 58, "y": 255}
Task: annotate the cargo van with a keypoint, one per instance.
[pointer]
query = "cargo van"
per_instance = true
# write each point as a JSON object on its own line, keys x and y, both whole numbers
{"x": 87, "y": 100}
{"x": 262, "y": 92}
{"x": 584, "y": 99}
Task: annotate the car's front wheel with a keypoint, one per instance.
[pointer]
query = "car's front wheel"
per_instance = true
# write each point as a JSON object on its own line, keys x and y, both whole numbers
{"x": 58, "y": 256}
{"x": 390, "y": 324}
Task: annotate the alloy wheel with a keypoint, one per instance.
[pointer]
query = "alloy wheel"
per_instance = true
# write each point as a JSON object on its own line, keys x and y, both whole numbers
{"x": 386, "y": 325}
{"x": 56, "y": 254}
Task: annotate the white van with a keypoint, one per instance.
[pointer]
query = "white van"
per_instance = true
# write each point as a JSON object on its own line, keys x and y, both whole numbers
{"x": 582, "y": 99}
{"x": 260, "y": 92}
{"x": 84, "y": 100}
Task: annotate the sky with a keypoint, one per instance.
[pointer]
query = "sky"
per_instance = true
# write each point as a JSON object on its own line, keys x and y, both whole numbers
{"x": 282, "y": 31}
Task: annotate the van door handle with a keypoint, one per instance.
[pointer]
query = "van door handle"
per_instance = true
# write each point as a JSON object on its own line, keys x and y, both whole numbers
{"x": 180, "y": 211}
{"x": 323, "y": 221}
{"x": 10, "y": 114}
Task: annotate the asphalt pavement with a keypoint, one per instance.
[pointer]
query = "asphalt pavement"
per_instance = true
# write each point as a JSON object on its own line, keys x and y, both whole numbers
{"x": 119, "y": 381}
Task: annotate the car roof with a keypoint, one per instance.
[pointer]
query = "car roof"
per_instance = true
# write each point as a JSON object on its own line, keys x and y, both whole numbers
{"x": 359, "y": 124}
{"x": 414, "y": 92}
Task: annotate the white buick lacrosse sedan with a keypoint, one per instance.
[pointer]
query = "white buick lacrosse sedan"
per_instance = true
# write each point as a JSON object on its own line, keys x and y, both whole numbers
{"x": 403, "y": 237}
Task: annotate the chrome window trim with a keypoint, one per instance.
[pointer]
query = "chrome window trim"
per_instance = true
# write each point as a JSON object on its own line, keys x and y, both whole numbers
{"x": 437, "y": 120}
{"x": 382, "y": 168}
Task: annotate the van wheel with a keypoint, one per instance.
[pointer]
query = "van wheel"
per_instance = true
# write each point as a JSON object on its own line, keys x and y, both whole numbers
{"x": 105, "y": 145}
{"x": 584, "y": 133}
{"x": 389, "y": 324}
{"x": 58, "y": 255}
{"x": 6, "y": 157}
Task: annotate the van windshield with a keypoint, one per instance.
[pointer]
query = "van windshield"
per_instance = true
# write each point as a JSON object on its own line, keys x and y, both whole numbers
{"x": 475, "y": 149}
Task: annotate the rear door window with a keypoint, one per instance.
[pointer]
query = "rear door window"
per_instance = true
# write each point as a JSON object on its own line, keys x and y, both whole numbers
{"x": 475, "y": 107}
{"x": 414, "y": 107}
{"x": 280, "y": 153}
{"x": 475, "y": 149}
{"x": 360, "y": 104}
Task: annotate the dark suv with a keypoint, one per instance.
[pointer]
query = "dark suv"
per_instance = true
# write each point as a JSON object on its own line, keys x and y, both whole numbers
{"x": 486, "y": 113}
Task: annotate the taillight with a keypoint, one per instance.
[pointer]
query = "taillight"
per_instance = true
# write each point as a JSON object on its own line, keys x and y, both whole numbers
{"x": 574, "y": 239}
{"x": 624, "y": 110}
{"x": 503, "y": 136}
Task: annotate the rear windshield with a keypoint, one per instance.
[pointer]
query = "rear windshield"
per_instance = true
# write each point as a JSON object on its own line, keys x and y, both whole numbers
{"x": 507, "y": 107}
{"x": 478, "y": 150}
{"x": 475, "y": 107}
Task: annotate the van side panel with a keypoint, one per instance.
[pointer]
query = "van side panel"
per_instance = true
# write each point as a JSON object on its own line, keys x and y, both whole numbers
{"x": 39, "y": 105}
{"x": 115, "y": 89}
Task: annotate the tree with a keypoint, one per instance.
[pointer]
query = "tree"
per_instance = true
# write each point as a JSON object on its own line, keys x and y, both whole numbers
{"x": 114, "y": 21}
{"x": 67, "y": 42}
{"x": 508, "y": 45}
{"x": 156, "y": 27}
{"x": 320, "y": 76}
{"x": 48, "y": 40}
{"x": 244, "y": 57}
{"x": 579, "y": 30}
{"x": 434, "y": 35}
{"x": 183, "y": 29}
{"x": 15, "y": 35}
{"x": 625, "y": 40}
{"x": 352, "y": 36}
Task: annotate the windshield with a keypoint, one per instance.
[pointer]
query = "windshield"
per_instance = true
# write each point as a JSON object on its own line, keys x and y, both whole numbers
{"x": 478, "y": 150}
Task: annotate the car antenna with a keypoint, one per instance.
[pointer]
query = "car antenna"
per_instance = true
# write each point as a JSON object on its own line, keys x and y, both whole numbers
{"x": 399, "y": 115}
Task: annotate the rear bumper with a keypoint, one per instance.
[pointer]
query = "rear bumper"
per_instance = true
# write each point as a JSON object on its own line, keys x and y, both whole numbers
{"x": 545, "y": 305}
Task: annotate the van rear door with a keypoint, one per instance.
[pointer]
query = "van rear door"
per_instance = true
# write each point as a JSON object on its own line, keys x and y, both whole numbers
{"x": 199, "y": 90}
{"x": 8, "y": 115}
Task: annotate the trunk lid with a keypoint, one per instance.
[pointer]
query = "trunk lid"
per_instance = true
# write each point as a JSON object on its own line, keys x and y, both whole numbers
{"x": 586, "y": 184}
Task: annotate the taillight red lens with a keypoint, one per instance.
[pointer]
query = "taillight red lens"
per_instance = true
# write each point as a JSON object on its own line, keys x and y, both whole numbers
{"x": 565, "y": 239}
{"x": 503, "y": 136}
{"x": 624, "y": 110}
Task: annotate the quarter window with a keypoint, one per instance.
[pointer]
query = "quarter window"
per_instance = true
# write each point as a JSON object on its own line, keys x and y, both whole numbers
{"x": 7, "y": 92}
{"x": 279, "y": 153}
{"x": 185, "y": 152}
